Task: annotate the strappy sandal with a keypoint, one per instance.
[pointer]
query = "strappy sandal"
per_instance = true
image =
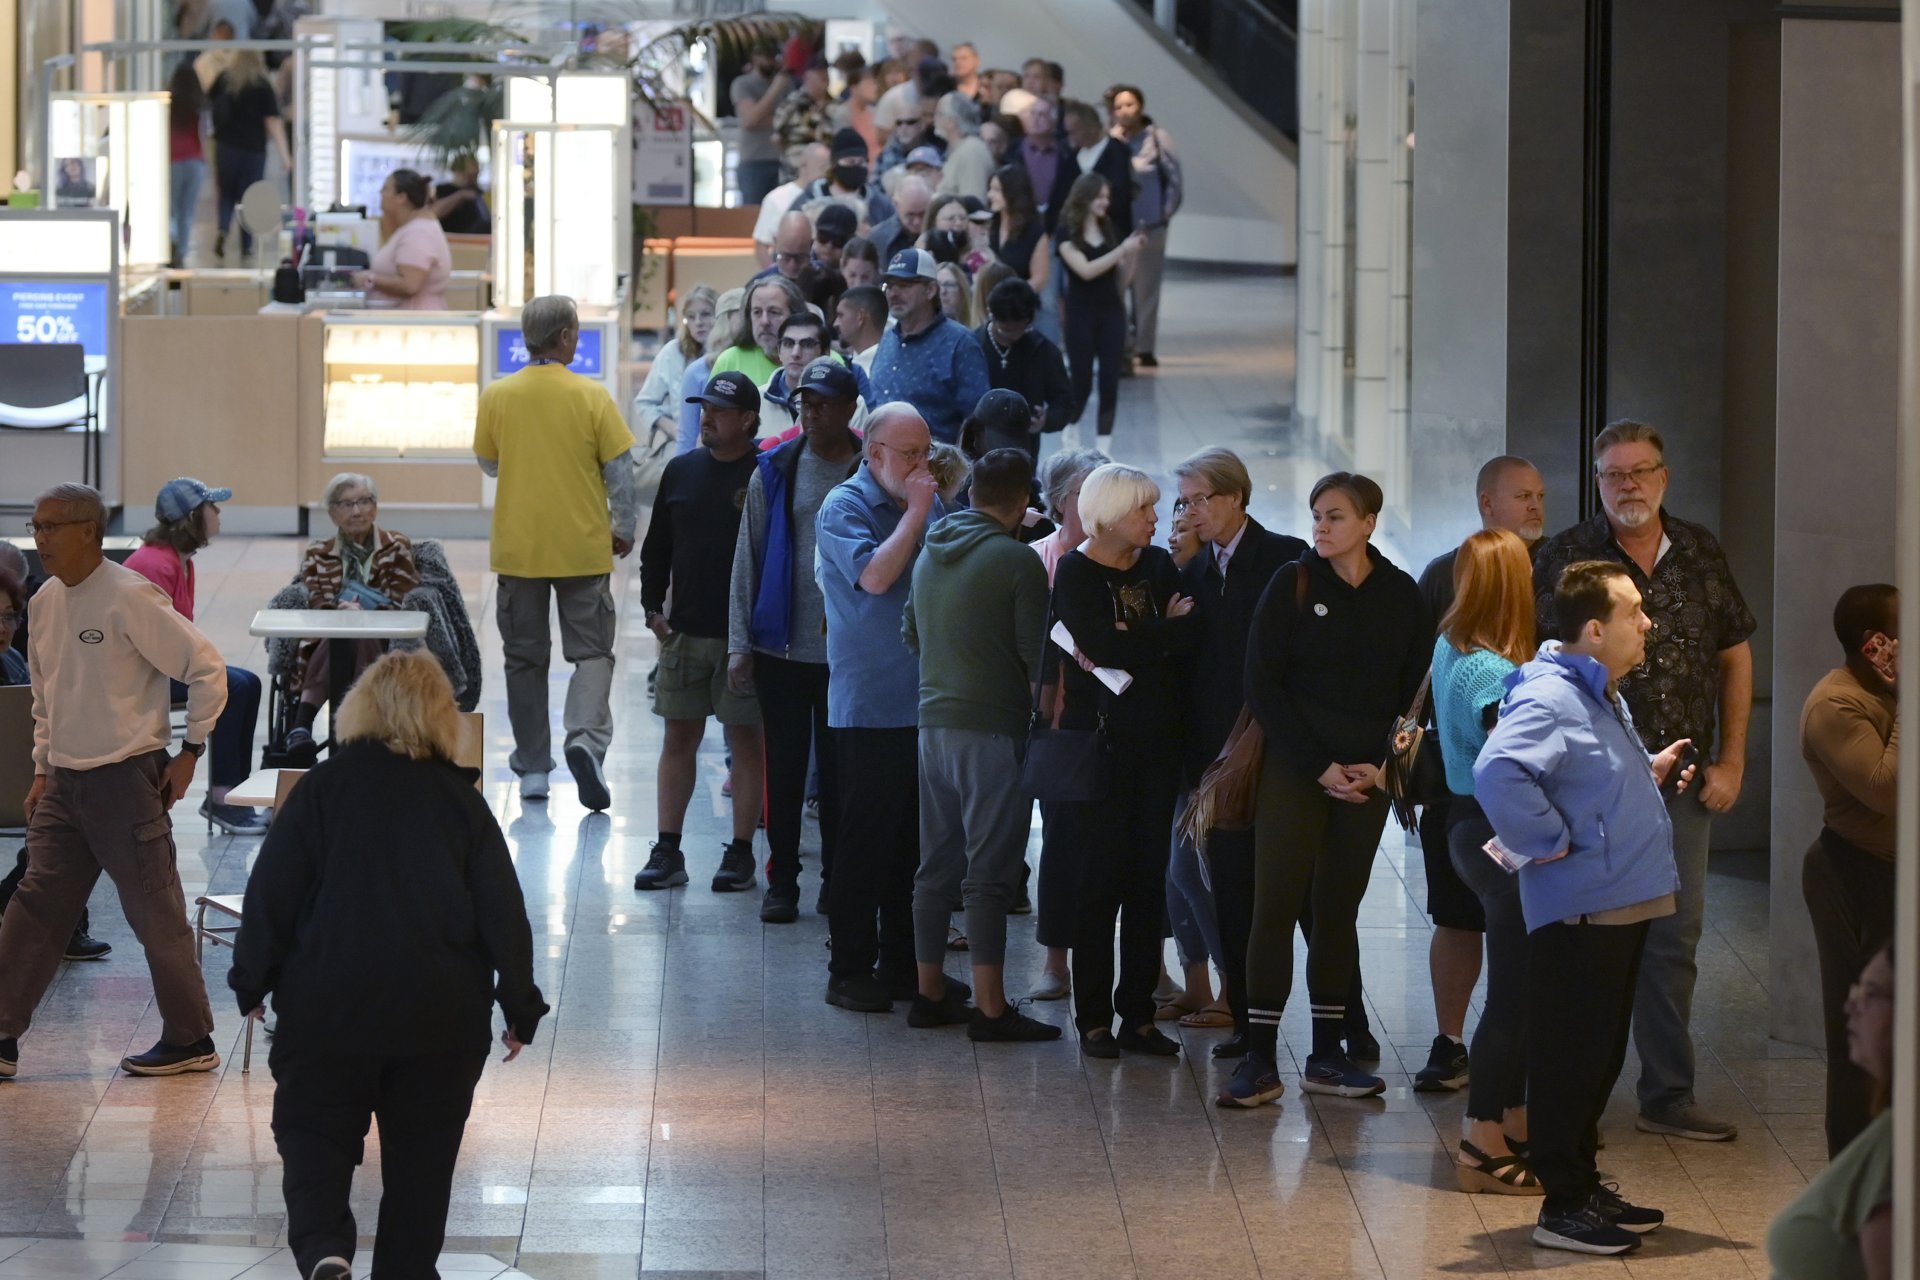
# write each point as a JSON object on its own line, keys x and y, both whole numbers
{"x": 1495, "y": 1175}
{"x": 1213, "y": 1016}
{"x": 956, "y": 940}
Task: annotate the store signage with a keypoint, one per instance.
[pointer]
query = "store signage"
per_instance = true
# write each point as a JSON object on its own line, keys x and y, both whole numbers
{"x": 42, "y": 311}
{"x": 662, "y": 153}
{"x": 510, "y": 355}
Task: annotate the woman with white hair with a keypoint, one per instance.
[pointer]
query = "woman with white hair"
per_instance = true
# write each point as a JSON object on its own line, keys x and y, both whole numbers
{"x": 1119, "y": 597}
{"x": 956, "y": 118}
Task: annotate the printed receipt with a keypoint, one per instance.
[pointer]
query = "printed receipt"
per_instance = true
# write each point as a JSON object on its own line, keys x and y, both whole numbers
{"x": 1112, "y": 677}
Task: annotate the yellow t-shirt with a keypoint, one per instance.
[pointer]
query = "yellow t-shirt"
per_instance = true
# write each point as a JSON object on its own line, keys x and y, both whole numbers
{"x": 551, "y": 431}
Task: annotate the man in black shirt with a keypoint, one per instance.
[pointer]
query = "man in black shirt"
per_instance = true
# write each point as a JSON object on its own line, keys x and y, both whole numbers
{"x": 689, "y": 549}
{"x": 1022, "y": 359}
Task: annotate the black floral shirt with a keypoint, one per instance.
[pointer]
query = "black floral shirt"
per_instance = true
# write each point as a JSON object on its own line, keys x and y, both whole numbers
{"x": 1697, "y": 611}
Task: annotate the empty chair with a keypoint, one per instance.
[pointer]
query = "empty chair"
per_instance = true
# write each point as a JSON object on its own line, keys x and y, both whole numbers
{"x": 45, "y": 387}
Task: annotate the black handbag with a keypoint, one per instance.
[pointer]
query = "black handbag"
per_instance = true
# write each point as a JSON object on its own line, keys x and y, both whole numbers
{"x": 1413, "y": 775}
{"x": 1070, "y": 766}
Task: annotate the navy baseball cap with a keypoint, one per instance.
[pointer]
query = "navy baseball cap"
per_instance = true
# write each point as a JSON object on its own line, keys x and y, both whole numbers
{"x": 1004, "y": 412}
{"x": 837, "y": 221}
{"x": 180, "y": 498}
{"x": 828, "y": 378}
{"x": 913, "y": 264}
{"x": 729, "y": 390}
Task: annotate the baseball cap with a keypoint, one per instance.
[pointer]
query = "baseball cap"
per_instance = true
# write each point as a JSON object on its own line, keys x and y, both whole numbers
{"x": 729, "y": 390}
{"x": 1004, "y": 412}
{"x": 913, "y": 264}
{"x": 929, "y": 156}
{"x": 1015, "y": 101}
{"x": 180, "y": 498}
{"x": 828, "y": 378}
{"x": 837, "y": 221}
{"x": 977, "y": 210}
{"x": 847, "y": 143}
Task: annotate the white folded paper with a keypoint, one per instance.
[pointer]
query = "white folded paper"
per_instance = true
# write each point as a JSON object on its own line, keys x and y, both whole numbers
{"x": 1507, "y": 859}
{"x": 1112, "y": 677}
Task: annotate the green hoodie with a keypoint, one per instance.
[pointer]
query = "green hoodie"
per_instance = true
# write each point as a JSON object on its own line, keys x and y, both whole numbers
{"x": 976, "y": 617}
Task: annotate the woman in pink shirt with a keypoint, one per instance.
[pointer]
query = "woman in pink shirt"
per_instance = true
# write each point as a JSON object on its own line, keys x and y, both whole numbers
{"x": 412, "y": 267}
{"x": 188, "y": 517}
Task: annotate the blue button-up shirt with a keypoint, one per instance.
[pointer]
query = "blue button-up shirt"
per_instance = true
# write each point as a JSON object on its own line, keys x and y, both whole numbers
{"x": 941, "y": 372}
{"x": 875, "y": 681}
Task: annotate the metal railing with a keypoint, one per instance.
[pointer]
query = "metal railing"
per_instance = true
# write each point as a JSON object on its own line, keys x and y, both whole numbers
{"x": 1252, "y": 45}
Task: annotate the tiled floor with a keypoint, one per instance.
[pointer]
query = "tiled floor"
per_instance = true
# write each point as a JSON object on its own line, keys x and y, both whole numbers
{"x": 693, "y": 1106}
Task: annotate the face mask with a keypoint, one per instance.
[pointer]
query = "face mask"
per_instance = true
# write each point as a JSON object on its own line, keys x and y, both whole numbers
{"x": 850, "y": 177}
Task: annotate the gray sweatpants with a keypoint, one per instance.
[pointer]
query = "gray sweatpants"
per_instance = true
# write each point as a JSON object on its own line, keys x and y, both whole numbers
{"x": 974, "y": 816}
{"x": 587, "y": 629}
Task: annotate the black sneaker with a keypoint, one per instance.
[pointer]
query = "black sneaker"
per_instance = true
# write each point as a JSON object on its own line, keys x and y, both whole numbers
{"x": 331, "y": 1269}
{"x": 1628, "y": 1217}
{"x": 173, "y": 1059}
{"x": 1446, "y": 1068}
{"x": 587, "y": 775}
{"x": 862, "y": 993}
{"x": 1012, "y": 1026}
{"x": 234, "y": 819}
{"x": 1147, "y": 360}
{"x": 1361, "y": 1045}
{"x": 301, "y": 751}
{"x": 950, "y": 1009}
{"x": 665, "y": 869}
{"x": 736, "y": 873}
{"x": 781, "y": 905}
{"x": 905, "y": 985}
{"x": 9, "y": 1058}
{"x": 1583, "y": 1230}
{"x": 84, "y": 946}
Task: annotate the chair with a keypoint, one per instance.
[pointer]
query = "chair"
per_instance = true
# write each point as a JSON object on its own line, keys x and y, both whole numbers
{"x": 228, "y": 906}
{"x": 45, "y": 387}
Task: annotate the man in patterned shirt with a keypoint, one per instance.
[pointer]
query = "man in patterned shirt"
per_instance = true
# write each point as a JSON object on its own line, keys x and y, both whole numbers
{"x": 1697, "y": 683}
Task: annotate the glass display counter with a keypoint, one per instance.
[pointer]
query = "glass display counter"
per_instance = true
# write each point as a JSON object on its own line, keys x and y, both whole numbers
{"x": 402, "y": 386}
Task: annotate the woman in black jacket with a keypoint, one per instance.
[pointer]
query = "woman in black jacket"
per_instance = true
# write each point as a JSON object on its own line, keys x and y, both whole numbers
{"x": 384, "y": 916}
{"x": 1340, "y": 642}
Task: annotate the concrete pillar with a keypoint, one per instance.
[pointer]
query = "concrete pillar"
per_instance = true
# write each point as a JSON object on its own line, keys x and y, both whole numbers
{"x": 1373, "y": 109}
{"x": 1312, "y": 242}
{"x": 1336, "y": 74}
{"x": 1400, "y": 51}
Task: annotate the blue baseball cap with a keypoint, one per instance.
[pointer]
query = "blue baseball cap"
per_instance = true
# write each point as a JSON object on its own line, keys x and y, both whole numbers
{"x": 928, "y": 156}
{"x": 729, "y": 391}
{"x": 828, "y": 378}
{"x": 913, "y": 264}
{"x": 181, "y": 498}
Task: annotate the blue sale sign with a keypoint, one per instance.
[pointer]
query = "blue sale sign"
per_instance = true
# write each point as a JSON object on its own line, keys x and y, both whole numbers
{"x": 42, "y": 311}
{"x": 511, "y": 355}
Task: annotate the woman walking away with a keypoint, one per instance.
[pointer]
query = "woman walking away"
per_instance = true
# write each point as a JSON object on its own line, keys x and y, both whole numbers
{"x": 335, "y": 921}
{"x": 1483, "y": 639}
{"x": 246, "y": 117}
{"x": 1096, "y": 325}
{"x": 1340, "y": 642}
{"x": 187, "y": 156}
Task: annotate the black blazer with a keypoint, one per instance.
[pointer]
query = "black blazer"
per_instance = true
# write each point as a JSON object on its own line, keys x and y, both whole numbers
{"x": 1226, "y": 611}
{"x": 1115, "y": 165}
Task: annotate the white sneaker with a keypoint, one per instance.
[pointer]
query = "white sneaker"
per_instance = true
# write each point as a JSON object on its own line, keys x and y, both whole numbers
{"x": 533, "y": 786}
{"x": 1052, "y": 986}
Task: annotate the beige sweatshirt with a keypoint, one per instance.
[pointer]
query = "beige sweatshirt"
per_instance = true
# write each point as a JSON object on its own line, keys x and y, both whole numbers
{"x": 1850, "y": 736}
{"x": 100, "y": 655}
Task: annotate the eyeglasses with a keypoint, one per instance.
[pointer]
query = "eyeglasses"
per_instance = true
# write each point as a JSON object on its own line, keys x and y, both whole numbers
{"x": 799, "y": 344}
{"x": 790, "y": 257}
{"x": 48, "y": 526}
{"x": 1181, "y": 504}
{"x": 831, "y": 241}
{"x": 910, "y": 455}
{"x": 12, "y": 619}
{"x": 353, "y": 504}
{"x": 1614, "y": 478}
{"x": 891, "y": 285}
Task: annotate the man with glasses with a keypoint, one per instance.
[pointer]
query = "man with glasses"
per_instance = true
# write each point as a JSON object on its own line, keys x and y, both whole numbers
{"x": 792, "y": 247}
{"x": 833, "y": 226}
{"x": 105, "y": 644}
{"x": 927, "y": 359}
{"x": 908, "y": 222}
{"x": 803, "y": 339}
{"x": 1696, "y": 682}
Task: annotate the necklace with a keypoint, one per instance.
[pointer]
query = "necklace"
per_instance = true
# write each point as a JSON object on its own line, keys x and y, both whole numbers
{"x": 998, "y": 350}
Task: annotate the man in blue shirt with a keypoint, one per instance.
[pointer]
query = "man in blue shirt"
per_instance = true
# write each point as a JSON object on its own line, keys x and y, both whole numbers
{"x": 927, "y": 359}
{"x": 870, "y": 532}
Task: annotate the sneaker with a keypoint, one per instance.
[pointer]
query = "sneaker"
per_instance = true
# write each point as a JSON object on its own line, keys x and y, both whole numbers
{"x": 1686, "y": 1122}
{"x": 862, "y": 993}
{"x": 1628, "y": 1217}
{"x": 234, "y": 819}
{"x": 781, "y": 905}
{"x": 331, "y": 1269}
{"x": 588, "y": 777}
{"x": 533, "y": 786}
{"x": 1147, "y": 360}
{"x": 736, "y": 873}
{"x": 1052, "y": 986}
{"x": 949, "y": 1010}
{"x": 1150, "y": 1042}
{"x": 1361, "y": 1045}
{"x": 1234, "y": 1046}
{"x": 301, "y": 751}
{"x": 1335, "y": 1074}
{"x": 666, "y": 868}
{"x": 1012, "y": 1026}
{"x": 1446, "y": 1068}
{"x": 1256, "y": 1082}
{"x": 905, "y": 985}
{"x": 1584, "y": 1230}
{"x": 84, "y": 946}
{"x": 173, "y": 1059}
{"x": 9, "y": 1058}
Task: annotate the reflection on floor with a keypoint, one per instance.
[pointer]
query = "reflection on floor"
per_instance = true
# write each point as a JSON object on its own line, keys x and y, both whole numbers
{"x": 693, "y": 1106}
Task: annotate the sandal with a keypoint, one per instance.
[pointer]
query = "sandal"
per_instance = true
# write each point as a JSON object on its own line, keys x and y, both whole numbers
{"x": 956, "y": 940}
{"x": 1214, "y": 1015}
{"x": 1495, "y": 1175}
{"x": 1173, "y": 1011}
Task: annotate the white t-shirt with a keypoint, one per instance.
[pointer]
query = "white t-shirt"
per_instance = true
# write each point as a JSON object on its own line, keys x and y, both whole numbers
{"x": 772, "y": 209}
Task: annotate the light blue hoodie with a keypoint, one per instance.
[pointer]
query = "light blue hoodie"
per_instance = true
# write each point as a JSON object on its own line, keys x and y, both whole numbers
{"x": 1564, "y": 769}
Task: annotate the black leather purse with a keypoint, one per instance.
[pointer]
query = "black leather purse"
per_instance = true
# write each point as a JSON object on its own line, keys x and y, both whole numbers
{"x": 1070, "y": 766}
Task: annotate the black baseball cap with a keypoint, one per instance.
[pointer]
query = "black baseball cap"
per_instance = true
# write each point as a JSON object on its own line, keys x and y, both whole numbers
{"x": 837, "y": 222}
{"x": 1004, "y": 412}
{"x": 729, "y": 390}
{"x": 828, "y": 378}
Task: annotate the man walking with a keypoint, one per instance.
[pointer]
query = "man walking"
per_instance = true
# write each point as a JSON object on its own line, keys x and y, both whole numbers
{"x": 928, "y": 360}
{"x": 756, "y": 94}
{"x": 689, "y": 552}
{"x": 871, "y": 529}
{"x": 105, "y": 644}
{"x": 1574, "y": 797}
{"x": 558, "y": 446}
{"x": 976, "y": 618}
{"x": 1157, "y": 191}
{"x": 1698, "y": 660}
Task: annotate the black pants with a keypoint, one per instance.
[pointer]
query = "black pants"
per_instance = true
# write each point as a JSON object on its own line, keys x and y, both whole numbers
{"x": 230, "y": 754}
{"x": 878, "y": 853}
{"x": 1096, "y": 332}
{"x": 1580, "y": 985}
{"x": 1121, "y": 852}
{"x": 1059, "y": 878}
{"x": 1849, "y": 894}
{"x": 12, "y": 882}
{"x": 793, "y": 708}
{"x": 322, "y": 1104}
{"x": 1500, "y": 1039}
{"x": 234, "y": 171}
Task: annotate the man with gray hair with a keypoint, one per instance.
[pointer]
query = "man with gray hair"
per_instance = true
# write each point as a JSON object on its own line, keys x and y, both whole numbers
{"x": 559, "y": 448}
{"x": 956, "y": 118}
{"x": 106, "y": 644}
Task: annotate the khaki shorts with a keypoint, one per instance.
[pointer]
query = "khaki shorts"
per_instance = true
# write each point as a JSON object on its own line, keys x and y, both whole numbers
{"x": 692, "y": 684}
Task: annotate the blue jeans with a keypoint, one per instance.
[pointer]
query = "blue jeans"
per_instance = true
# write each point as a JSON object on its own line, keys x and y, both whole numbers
{"x": 756, "y": 179}
{"x": 234, "y": 171}
{"x": 188, "y": 176}
{"x": 230, "y": 757}
{"x": 1663, "y": 1001}
{"x": 1190, "y": 909}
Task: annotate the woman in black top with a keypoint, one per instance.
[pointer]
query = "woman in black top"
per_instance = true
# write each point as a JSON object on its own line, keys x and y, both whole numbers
{"x": 1118, "y": 595}
{"x": 1018, "y": 234}
{"x": 246, "y": 117}
{"x": 1096, "y": 323}
{"x": 1340, "y": 642}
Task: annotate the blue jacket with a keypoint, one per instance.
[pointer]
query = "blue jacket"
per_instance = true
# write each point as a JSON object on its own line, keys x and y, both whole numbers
{"x": 772, "y": 623}
{"x": 1564, "y": 769}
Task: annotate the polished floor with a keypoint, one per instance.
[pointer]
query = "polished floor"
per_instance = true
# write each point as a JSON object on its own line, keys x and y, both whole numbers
{"x": 692, "y": 1107}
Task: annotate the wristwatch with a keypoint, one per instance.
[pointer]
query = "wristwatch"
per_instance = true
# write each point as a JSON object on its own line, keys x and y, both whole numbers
{"x": 194, "y": 749}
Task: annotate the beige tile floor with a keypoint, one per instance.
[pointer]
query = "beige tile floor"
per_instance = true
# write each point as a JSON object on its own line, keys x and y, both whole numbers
{"x": 693, "y": 1107}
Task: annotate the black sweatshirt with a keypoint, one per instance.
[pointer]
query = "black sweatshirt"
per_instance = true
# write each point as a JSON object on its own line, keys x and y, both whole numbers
{"x": 1145, "y": 722}
{"x": 1327, "y": 678}
{"x": 380, "y": 909}
{"x": 1035, "y": 368}
{"x": 690, "y": 540}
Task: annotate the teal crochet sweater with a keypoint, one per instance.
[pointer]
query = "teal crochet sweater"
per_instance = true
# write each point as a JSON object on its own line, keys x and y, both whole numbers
{"x": 1464, "y": 684}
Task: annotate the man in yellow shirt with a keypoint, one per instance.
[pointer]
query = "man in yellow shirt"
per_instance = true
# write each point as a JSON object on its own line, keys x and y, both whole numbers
{"x": 565, "y": 507}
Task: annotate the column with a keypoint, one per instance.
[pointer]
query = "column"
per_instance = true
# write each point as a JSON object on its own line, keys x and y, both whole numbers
{"x": 1373, "y": 195}
{"x": 1311, "y": 243}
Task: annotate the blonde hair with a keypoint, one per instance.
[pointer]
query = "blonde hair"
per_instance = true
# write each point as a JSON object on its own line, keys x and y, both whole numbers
{"x": 1112, "y": 493}
{"x": 245, "y": 67}
{"x": 405, "y": 702}
{"x": 1493, "y": 602}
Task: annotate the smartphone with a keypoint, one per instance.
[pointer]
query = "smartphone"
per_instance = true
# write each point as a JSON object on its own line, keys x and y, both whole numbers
{"x": 1689, "y": 754}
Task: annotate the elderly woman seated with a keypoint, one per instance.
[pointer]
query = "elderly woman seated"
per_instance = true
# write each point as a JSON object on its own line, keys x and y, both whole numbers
{"x": 361, "y": 567}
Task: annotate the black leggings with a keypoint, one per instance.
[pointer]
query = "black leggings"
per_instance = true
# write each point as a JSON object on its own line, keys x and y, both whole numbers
{"x": 1850, "y": 896}
{"x": 1230, "y": 855}
{"x": 1096, "y": 332}
{"x": 1120, "y": 847}
{"x": 1500, "y": 1040}
{"x": 793, "y": 707}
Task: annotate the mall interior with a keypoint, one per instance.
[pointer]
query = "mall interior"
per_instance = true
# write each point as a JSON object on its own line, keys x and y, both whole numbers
{"x": 1397, "y": 238}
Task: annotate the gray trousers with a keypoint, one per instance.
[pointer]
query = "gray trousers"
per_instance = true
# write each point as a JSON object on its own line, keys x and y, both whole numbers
{"x": 1144, "y": 292}
{"x": 587, "y": 630}
{"x": 974, "y": 816}
{"x": 1663, "y": 1002}
{"x": 110, "y": 819}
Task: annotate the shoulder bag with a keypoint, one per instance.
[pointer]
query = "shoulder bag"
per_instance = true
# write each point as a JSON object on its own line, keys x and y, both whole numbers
{"x": 1411, "y": 776}
{"x": 1065, "y": 766}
